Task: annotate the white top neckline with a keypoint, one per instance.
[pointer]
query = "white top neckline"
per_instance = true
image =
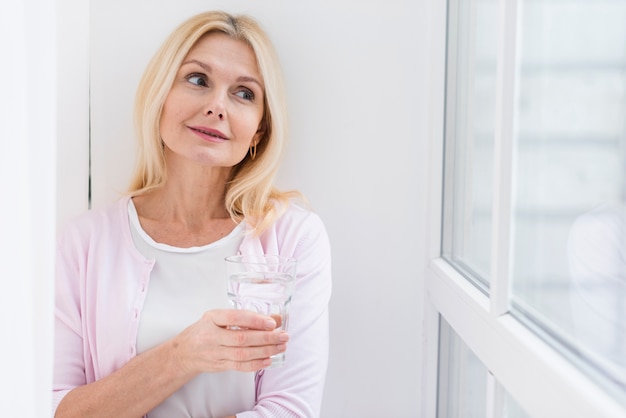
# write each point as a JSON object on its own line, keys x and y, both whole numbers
{"x": 134, "y": 220}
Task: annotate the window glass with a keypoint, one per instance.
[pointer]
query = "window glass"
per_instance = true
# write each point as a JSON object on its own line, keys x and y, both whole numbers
{"x": 512, "y": 409}
{"x": 469, "y": 138}
{"x": 569, "y": 257}
{"x": 462, "y": 391}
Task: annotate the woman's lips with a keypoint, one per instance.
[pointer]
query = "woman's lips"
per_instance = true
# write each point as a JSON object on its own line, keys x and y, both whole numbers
{"x": 208, "y": 134}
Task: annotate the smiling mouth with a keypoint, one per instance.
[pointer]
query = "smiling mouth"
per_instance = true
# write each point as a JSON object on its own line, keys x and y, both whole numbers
{"x": 209, "y": 132}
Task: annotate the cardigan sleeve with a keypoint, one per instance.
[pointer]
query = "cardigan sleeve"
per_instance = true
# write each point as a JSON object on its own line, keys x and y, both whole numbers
{"x": 295, "y": 389}
{"x": 96, "y": 299}
{"x": 69, "y": 364}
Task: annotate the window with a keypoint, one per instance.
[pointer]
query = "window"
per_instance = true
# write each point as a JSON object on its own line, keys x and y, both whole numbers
{"x": 462, "y": 378}
{"x": 470, "y": 114}
{"x": 464, "y": 381}
{"x": 570, "y": 146}
{"x": 532, "y": 271}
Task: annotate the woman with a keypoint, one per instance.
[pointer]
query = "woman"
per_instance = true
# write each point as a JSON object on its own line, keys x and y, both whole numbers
{"x": 142, "y": 325}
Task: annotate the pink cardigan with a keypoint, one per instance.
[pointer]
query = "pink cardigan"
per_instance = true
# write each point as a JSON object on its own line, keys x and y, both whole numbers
{"x": 101, "y": 285}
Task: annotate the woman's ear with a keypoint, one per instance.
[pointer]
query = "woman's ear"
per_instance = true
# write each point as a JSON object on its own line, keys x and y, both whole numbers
{"x": 260, "y": 133}
{"x": 261, "y": 130}
{"x": 256, "y": 138}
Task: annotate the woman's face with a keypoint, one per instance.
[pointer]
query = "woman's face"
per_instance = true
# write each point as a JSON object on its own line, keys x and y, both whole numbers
{"x": 212, "y": 113}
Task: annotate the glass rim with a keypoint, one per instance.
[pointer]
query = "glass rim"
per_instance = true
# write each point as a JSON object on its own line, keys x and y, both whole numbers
{"x": 260, "y": 259}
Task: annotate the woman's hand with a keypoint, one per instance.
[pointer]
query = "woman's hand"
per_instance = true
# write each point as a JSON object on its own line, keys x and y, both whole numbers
{"x": 228, "y": 340}
{"x": 209, "y": 345}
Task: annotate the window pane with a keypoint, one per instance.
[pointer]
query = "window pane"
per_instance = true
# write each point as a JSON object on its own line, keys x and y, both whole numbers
{"x": 462, "y": 387}
{"x": 462, "y": 390}
{"x": 470, "y": 103}
{"x": 569, "y": 258}
{"x": 511, "y": 408}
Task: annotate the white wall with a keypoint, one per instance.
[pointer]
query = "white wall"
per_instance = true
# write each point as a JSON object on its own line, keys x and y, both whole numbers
{"x": 73, "y": 108}
{"x": 357, "y": 76}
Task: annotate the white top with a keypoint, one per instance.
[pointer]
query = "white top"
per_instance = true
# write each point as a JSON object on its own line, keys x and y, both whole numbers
{"x": 184, "y": 283}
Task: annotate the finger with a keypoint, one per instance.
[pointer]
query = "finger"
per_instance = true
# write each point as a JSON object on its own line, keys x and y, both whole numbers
{"x": 243, "y": 319}
{"x": 248, "y": 358}
{"x": 253, "y": 338}
{"x": 246, "y": 366}
{"x": 278, "y": 319}
{"x": 246, "y": 354}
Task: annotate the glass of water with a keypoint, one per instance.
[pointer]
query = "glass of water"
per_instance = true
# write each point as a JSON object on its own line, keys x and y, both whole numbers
{"x": 263, "y": 284}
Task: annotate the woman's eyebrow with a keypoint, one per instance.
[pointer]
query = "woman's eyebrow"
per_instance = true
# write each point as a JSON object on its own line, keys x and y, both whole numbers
{"x": 209, "y": 70}
{"x": 244, "y": 78}
{"x": 206, "y": 67}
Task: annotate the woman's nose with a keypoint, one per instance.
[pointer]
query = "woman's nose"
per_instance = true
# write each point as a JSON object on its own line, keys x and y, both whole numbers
{"x": 219, "y": 115}
{"x": 215, "y": 105}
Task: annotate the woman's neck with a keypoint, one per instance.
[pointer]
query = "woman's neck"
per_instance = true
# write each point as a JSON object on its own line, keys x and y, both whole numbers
{"x": 187, "y": 210}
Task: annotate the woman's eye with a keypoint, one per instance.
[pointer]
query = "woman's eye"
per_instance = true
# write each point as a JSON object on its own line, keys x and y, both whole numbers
{"x": 245, "y": 94}
{"x": 197, "y": 79}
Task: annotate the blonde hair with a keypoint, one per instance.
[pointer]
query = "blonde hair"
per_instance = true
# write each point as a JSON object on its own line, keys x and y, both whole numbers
{"x": 250, "y": 193}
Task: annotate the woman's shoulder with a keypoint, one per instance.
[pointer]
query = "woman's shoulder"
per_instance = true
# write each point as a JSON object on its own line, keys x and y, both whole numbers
{"x": 297, "y": 229}
{"x": 96, "y": 220}
{"x": 295, "y": 212}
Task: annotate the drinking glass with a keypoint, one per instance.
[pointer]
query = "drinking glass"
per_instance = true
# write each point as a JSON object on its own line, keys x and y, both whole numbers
{"x": 263, "y": 284}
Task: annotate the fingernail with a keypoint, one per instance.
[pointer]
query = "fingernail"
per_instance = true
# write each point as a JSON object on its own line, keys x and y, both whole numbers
{"x": 283, "y": 337}
{"x": 270, "y": 323}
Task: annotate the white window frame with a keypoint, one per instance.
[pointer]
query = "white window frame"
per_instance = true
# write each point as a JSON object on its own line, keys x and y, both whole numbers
{"x": 540, "y": 379}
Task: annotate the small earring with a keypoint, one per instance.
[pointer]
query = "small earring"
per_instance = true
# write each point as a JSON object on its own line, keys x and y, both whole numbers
{"x": 252, "y": 151}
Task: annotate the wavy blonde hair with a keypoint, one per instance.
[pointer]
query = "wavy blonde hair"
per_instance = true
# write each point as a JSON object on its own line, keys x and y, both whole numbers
{"x": 250, "y": 193}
